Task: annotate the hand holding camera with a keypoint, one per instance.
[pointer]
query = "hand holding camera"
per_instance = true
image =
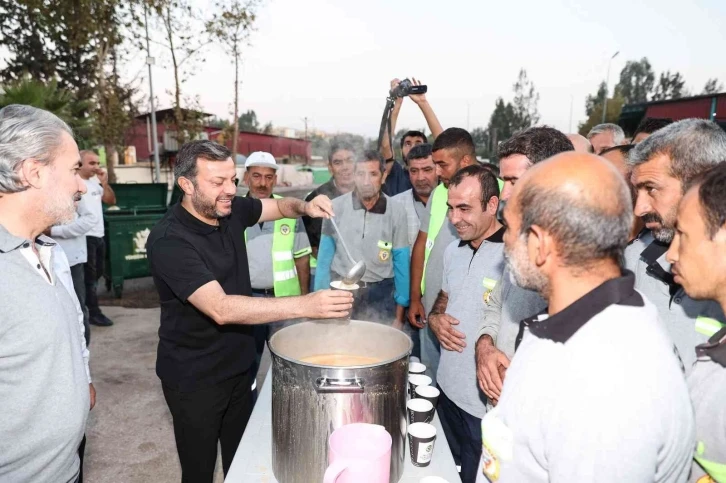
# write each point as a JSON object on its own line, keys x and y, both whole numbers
{"x": 415, "y": 90}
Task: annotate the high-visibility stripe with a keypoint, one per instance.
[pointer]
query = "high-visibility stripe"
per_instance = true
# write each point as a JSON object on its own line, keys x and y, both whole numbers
{"x": 303, "y": 252}
{"x": 717, "y": 471}
{"x": 707, "y": 326}
{"x": 285, "y": 275}
{"x": 281, "y": 256}
{"x": 436, "y": 220}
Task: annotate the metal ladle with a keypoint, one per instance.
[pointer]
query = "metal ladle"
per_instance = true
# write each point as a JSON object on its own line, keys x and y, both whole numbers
{"x": 359, "y": 268}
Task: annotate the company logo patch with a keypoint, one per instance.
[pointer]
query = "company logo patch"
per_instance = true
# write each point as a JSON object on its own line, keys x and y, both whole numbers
{"x": 384, "y": 255}
{"x": 285, "y": 229}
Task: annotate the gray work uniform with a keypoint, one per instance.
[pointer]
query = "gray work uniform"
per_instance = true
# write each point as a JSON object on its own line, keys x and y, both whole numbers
{"x": 689, "y": 322}
{"x": 595, "y": 393}
{"x": 371, "y": 235}
{"x": 507, "y": 305}
{"x": 707, "y": 386}
{"x": 433, "y": 277}
{"x": 415, "y": 211}
{"x": 469, "y": 277}
{"x": 259, "y": 251}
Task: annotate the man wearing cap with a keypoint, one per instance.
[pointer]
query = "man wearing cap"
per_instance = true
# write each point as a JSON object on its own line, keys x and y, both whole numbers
{"x": 472, "y": 267}
{"x": 374, "y": 229}
{"x": 698, "y": 262}
{"x": 581, "y": 400}
{"x": 279, "y": 251}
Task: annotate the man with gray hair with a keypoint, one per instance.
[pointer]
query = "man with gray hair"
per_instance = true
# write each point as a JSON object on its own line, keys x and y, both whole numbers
{"x": 595, "y": 392}
{"x": 663, "y": 167}
{"x": 604, "y": 136}
{"x": 44, "y": 388}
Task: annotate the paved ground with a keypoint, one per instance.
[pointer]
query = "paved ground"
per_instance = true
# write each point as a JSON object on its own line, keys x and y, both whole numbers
{"x": 130, "y": 434}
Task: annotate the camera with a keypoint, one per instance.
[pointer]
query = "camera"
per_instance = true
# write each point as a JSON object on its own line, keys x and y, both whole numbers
{"x": 406, "y": 88}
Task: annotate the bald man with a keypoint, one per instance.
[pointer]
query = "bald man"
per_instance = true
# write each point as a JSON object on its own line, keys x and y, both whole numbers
{"x": 611, "y": 402}
{"x": 582, "y": 145}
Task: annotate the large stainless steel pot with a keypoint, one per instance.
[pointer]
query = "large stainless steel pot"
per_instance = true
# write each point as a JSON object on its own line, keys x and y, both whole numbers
{"x": 310, "y": 401}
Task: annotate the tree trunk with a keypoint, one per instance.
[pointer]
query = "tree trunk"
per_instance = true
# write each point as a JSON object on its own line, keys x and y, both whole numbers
{"x": 235, "y": 125}
{"x": 178, "y": 115}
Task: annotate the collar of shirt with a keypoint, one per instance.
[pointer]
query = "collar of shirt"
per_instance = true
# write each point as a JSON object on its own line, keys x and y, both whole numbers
{"x": 416, "y": 197}
{"x": 564, "y": 324}
{"x": 651, "y": 255}
{"x": 195, "y": 224}
{"x": 379, "y": 208}
{"x": 10, "y": 242}
{"x": 496, "y": 237}
{"x": 715, "y": 348}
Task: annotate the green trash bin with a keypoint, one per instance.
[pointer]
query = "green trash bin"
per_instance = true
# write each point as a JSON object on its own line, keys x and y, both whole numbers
{"x": 128, "y": 224}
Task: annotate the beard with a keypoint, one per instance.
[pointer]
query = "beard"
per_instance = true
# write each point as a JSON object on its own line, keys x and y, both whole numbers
{"x": 667, "y": 230}
{"x": 208, "y": 207}
{"x": 61, "y": 208}
{"x": 423, "y": 189}
{"x": 522, "y": 272}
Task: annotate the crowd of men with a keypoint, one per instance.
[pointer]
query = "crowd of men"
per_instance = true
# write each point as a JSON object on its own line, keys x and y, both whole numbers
{"x": 568, "y": 303}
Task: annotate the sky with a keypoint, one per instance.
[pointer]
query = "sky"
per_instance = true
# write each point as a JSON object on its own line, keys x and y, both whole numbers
{"x": 332, "y": 60}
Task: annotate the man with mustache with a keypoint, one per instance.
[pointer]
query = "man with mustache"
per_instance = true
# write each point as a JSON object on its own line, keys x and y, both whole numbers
{"x": 698, "y": 262}
{"x": 374, "y": 229}
{"x": 279, "y": 251}
{"x": 508, "y": 303}
{"x": 472, "y": 267}
{"x": 422, "y": 171}
{"x": 663, "y": 166}
{"x": 198, "y": 258}
{"x": 45, "y": 394}
{"x": 453, "y": 149}
{"x": 595, "y": 392}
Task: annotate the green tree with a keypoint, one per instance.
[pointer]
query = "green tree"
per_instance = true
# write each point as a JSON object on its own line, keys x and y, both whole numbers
{"x": 713, "y": 86}
{"x": 248, "y": 122}
{"x": 231, "y": 26}
{"x": 636, "y": 81}
{"x": 615, "y": 105}
{"x": 502, "y": 123}
{"x": 268, "y": 128}
{"x": 525, "y": 102}
{"x": 591, "y": 102}
{"x": 670, "y": 86}
{"x": 184, "y": 39}
{"x": 43, "y": 95}
{"x": 481, "y": 141}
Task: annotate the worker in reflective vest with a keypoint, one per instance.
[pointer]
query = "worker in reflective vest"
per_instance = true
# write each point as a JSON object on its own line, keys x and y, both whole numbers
{"x": 698, "y": 262}
{"x": 279, "y": 252}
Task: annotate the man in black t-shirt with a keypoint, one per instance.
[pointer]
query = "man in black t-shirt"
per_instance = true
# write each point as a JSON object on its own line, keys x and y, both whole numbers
{"x": 198, "y": 259}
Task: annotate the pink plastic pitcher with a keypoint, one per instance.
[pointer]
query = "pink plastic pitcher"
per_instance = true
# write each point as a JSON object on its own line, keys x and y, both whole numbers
{"x": 359, "y": 453}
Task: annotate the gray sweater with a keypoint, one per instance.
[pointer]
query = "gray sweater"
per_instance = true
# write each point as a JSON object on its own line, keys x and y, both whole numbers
{"x": 44, "y": 396}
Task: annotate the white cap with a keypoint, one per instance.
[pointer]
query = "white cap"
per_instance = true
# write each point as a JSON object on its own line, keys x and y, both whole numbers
{"x": 262, "y": 159}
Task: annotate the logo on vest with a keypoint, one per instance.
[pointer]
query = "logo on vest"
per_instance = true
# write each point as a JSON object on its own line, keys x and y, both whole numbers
{"x": 489, "y": 285}
{"x": 285, "y": 229}
{"x": 384, "y": 250}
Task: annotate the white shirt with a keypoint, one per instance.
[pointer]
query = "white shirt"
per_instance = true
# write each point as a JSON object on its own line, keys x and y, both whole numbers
{"x": 92, "y": 199}
{"x": 72, "y": 237}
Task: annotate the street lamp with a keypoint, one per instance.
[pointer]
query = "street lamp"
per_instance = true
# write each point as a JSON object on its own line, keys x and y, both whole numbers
{"x": 607, "y": 82}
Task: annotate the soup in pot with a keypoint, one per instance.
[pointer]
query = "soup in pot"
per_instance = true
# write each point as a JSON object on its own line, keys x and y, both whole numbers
{"x": 340, "y": 360}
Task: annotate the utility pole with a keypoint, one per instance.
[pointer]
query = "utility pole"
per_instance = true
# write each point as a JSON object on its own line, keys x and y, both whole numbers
{"x": 307, "y": 161}
{"x": 154, "y": 135}
{"x": 607, "y": 82}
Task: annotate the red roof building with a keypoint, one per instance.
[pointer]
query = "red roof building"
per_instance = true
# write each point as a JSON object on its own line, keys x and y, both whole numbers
{"x": 710, "y": 106}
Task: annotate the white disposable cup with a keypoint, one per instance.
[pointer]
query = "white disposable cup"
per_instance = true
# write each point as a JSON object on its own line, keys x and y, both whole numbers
{"x": 416, "y": 368}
